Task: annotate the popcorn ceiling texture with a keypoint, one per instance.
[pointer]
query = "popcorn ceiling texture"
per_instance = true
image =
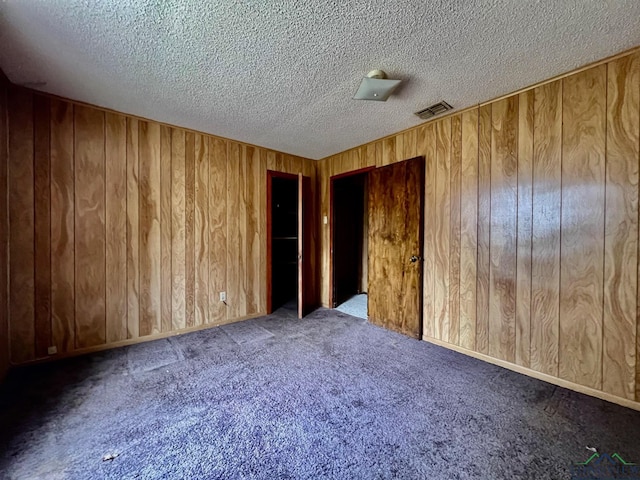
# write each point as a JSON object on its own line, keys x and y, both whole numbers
{"x": 281, "y": 74}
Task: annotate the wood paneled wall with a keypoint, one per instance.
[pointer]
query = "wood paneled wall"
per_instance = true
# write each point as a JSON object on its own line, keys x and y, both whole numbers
{"x": 4, "y": 229}
{"x": 124, "y": 229}
{"x": 531, "y": 227}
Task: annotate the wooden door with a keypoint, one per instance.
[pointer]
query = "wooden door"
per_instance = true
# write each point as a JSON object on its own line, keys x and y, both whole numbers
{"x": 396, "y": 195}
{"x": 306, "y": 285}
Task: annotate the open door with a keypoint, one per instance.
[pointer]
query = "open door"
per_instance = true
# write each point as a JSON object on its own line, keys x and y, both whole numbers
{"x": 396, "y": 197}
{"x": 306, "y": 286}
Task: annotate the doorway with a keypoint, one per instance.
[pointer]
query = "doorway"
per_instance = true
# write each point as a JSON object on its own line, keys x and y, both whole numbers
{"x": 284, "y": 242}
{"x": 289, "y": 249}
{"x": 349, "y": 239}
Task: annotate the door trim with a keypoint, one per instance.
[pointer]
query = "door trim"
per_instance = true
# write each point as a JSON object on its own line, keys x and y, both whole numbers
{"x": 271, "y": 174}
{"x": 331, "y": 229}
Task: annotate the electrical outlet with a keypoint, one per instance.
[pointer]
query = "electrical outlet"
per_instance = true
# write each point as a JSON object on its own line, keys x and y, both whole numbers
{"x": 223, "y": 296}
{"x": 52, "y": 350}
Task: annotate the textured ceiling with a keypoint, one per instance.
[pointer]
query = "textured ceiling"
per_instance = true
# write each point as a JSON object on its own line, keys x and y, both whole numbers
{"x": 281, "y": 74}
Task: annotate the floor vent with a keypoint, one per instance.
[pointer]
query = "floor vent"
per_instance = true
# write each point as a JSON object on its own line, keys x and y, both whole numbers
{"x": 433, "y": 110}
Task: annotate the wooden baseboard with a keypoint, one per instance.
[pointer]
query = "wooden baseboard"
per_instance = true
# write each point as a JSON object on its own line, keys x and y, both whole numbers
{"x": 133, "y": 341}
{"x": 540, "y": 376}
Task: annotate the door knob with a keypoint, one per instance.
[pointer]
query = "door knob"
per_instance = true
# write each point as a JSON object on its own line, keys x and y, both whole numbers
{"x": 414, "y": 258}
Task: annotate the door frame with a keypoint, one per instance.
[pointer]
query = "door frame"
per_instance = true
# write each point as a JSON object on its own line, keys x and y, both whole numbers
{"x": 271, "y": 174}
{"x": 331, "y": 226}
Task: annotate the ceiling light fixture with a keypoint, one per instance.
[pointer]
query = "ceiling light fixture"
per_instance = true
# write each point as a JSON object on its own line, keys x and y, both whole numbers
{"x": 376, "y": 86}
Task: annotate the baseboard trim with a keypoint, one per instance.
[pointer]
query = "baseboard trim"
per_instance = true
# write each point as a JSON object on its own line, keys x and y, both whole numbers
{"x": 133, "y": 341}
{"x": 538, "y": 375}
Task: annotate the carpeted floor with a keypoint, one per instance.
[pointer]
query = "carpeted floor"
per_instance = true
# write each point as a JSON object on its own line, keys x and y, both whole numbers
{"x": 355, "y": 306}
{"x": 330, "y": 396}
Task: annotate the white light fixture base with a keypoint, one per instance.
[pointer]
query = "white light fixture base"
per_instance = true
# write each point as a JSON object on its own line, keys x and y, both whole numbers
{"x": 376, "y": 87}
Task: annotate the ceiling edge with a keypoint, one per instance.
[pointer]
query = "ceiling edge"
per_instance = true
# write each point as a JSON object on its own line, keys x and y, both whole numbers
{"x": 602, "y": 61}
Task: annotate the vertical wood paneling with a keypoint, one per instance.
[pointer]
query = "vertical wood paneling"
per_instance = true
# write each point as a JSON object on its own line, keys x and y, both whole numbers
{"x": 504, "y": 204}
{"x": 21, "y": 221}
{"x": 545, "y": 237}
{"x": 116, "y": 226}
{"x": 201, "y": 230}
{"x": 443, "y": 185}
{"x": 42, "y": 231}
{"x": 217, "y": 228}
{"x": 621, "y": 227}
{"x": 389, "y": 146}
{"x": 166, "y": 222}
{"x": 582, "y": 242}
{"x": 4, "y": 227}
{"x": 469, "y": 229}
{"x": 90, "y": 226}
{"x": 62, "y": 227}
{"x": 189, "y": 228}
{"x": 261, "y": 273}
{"x": 426, "y": 147}
{"x": 234, "y": 240}
{"x": 525, "y": 213}
{"x": 454, "y": 235}
{"x": 133, "y": 238}
{"x": 149, "y": 225}
{"x": 484, "y": 228}
{"x": 121, "y": 227}
{"x": 252, "y": 238}
{"x": 410, "y": 144}
{"x": 178, "y": 277}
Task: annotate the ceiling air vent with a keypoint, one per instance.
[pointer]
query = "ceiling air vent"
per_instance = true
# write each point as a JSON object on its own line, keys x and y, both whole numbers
{"x": 433, "y": 110}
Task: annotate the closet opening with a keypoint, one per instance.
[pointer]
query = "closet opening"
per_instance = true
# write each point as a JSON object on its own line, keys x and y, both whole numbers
{"x": 349, "y": 242}
{"x": 282, "y": 226}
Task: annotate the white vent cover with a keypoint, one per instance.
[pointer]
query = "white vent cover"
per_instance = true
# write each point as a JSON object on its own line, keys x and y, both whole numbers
{"x": 434, "y": 110}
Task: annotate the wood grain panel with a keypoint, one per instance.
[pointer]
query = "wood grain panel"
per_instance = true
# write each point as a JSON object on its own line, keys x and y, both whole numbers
{"x": 234, "y": 241}
{"x": 166, "y": 222}
{"x": 372, "y": 155}
{"x": 469, "y": 229}
{"x": 189, "y": 228}
{"x": 21, "y": 221}
{"x": 454, "y": 225}
{"x": 90, "y": 238}
{"x": 427, "y": 147}
{"x": 116, "y": 226}
{"x": 442, "y": 226}
{"x": 261, "y": 274}
{"x": 133, "y": 237}
{"x": 389, "y": 146}
{"x": 582, "y": 223}
{"x": 621, "y": 227}
{"x": 545, "y": 237}
{"x": 4, "y": 228}
{"x": 201, "y": 230}
{"x": 252, "y": 184}
{"x": 62, "y": 227}
{"x": 149, "y": 225}
{"x": 484, "y": 223}
{"x": 504, "y": 204}
{"x": 217, "y": 228}
{"x": 525, "y": 214}
{"x": 178, "y": 278}
{"x": 325, "y": 290}
{"x": 410, "y": 143}
{"x": 42, "y": 231}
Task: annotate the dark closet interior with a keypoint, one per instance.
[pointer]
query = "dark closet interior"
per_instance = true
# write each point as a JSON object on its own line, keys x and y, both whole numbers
{"x": 350, "y": 233}
{"x": 284, "y": 241}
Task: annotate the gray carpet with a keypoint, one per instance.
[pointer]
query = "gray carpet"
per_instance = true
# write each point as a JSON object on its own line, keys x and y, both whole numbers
{"x": 355, "y": 306}
{"x": 330, "y": 396}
